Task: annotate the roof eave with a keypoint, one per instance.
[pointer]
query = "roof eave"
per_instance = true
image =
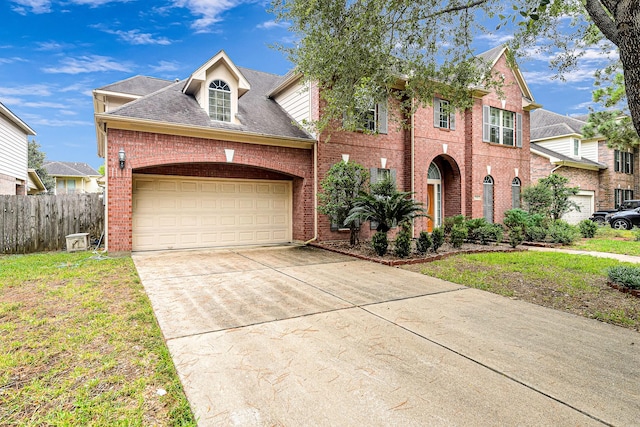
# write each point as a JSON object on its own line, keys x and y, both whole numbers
{"x": 153, "y": 126}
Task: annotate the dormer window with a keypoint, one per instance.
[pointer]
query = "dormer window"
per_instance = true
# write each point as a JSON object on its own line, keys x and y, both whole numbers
{"x": 220, "y": 101}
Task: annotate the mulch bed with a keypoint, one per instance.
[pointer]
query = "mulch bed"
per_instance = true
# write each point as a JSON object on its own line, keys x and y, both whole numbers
{"x": 364, "y": 251}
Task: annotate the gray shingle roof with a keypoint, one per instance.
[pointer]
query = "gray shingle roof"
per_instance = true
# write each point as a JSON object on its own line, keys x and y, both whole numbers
{"x": 256, "y": 112}
{"x": 547, "y": 124}
{"x": 564, "y": 158}
{"x": 137, "y": 85}
{"x": 69, "y": 169}
{"x": 491, "y": 55}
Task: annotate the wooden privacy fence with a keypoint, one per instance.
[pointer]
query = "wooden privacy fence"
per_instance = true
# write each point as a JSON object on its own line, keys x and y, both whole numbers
{"x": 41, "y": 223}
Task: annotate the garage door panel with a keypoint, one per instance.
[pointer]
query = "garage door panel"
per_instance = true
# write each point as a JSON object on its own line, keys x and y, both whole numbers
{"x": 585, "y": 202}
{"x": 174, "y": 212}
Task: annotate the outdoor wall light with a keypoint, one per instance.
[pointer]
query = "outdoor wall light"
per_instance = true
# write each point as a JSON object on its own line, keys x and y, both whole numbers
{"x": 121, "y": 158}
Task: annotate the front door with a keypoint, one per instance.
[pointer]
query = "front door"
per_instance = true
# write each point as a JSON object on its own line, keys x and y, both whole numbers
{"x": 434, "y": 197}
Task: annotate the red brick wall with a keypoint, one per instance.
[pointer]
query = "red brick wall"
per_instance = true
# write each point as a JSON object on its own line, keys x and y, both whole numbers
{"x": 156, "y": 153}
{"x": 609, "y": 180}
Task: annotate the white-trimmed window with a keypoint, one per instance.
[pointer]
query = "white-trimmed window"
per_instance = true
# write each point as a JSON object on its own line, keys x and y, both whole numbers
{"x": 620, "y": 196}
{"x": 373, "y": 119}
{"x": 501, "y": 126}
{"x": 623, "y": 162}
{"x": 515, "y": 192}
{"x": 576, "y": 147}
{"x": 220, "y": 101}
{"x": 443, "y": 116}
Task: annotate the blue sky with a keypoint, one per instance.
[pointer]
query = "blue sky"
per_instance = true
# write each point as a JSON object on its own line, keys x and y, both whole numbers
{"x": 54, "y": 53}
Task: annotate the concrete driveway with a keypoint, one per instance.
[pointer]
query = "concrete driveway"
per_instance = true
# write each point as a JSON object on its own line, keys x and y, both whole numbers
{"x": 298, "y": 336}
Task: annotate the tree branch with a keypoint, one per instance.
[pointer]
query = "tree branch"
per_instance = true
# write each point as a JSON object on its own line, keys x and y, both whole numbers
{"x": 602, "y": 19}
{"x": 455, "y": 9}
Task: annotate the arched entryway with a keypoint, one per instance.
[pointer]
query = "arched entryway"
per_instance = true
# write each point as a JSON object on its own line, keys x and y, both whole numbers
{"x": 442, "y": 191}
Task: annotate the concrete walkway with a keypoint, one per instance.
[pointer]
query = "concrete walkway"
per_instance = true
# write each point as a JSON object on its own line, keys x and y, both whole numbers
{"x": 619, "y": 257}
{"x": 298, "y": 336}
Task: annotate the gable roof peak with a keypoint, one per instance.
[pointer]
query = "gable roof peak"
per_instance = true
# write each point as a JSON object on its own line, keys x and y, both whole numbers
{"x": 199, "y": 76}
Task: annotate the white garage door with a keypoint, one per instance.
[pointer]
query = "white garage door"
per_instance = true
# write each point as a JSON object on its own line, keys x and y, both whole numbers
{"x": 182, "y": 212}
{"x": 584, "y": 199}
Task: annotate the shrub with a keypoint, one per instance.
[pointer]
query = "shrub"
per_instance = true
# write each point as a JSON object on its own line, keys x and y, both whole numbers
{"x": 516, "y": 236}
{"x": 490, "y": 233}
{"x": 380, "y": 243}
{"x": 473, "y": 226}
{"x": 516, "y": 218}
{"x": 625, "y": 275}
{"x": 458, "y": 235}
{"x": 450, "y": 221}
{"x": 437, "y": 238}
{"x": 403, "y": 243}
{"x": 562, "y": 232}
{"x": 588, "y": 228}
{"x": 536, "y": 234}
{"x": 423, "y": 243}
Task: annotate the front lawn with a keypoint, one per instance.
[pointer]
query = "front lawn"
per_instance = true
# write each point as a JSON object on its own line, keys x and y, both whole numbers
{"x": 572, "y": 283}
{"x": 611, "y": 240}
{"x": 80, "y": 345}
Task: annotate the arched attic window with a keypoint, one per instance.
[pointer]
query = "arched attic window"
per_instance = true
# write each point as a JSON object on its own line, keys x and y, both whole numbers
{"x": 220, "y": 101}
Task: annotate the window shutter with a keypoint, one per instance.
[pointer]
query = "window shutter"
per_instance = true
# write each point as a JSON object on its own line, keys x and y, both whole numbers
{"x": 518, "y": 130}
{"x": 485, "y": 123}
{"x": 616, "y": 161}
{"x": 382, "y": 118}
{"x": 436, "y": 113}
{"x": 452, "y": 120}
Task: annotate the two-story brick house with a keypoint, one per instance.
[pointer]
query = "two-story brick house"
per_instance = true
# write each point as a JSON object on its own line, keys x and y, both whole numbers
{"x": 218, "y": 159}
{"x": 605, "y": 176}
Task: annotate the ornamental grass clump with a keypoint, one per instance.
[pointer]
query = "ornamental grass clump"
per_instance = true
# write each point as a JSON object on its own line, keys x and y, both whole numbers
{"x": 625, "y": 275}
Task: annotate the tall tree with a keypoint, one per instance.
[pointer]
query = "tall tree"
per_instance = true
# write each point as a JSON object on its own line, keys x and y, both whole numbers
{"x": 35, "y": 161}
{"x": 356, "y": 51}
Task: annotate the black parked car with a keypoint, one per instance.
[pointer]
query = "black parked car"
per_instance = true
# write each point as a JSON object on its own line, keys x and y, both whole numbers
{"x": 625, "y": 220}
{"x": 603, "y": 215}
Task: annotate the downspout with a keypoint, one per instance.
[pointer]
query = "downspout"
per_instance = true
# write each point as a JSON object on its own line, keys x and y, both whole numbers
{"x": 413, "y": 161}
{"x": 105, "y": 196}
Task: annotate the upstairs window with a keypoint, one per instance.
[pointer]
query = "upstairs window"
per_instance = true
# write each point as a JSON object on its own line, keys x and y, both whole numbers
{"x": 443, "y": 116}
{"x": 501, "y": 126}
{"x": 576, "y": 147}
{"x": 623, "y": 161}
{"x": 373, "y": 119}
{"x": 220, "y": 101}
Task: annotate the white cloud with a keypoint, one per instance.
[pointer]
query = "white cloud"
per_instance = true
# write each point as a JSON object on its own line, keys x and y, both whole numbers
{"x": 551, "y": 77}
{"x": 30, "y": 90}
{"x": 583, "y": 106}
{"x": 12, "y": 60}
{"x": 88, "y": 64}
{"x": 42, "y": 104}
{"x": 165, "y": 66}
{"x": 496, "y": 39}
{"x": 34, "y": 6}
{"x": 135, "y": 37}
{"x": 268, "y": 25}
{"x": 210, "y": 10}
{"x": 37, "y": 120}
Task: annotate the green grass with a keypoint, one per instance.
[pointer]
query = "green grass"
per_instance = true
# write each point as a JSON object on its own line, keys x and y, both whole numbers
{"x": 80, "y": 345}
{"x": 573, "y": 283}
{"x": 610, "y": 240}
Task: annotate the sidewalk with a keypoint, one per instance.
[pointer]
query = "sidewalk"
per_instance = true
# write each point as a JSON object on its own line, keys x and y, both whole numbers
{"x": 619, "y": 257}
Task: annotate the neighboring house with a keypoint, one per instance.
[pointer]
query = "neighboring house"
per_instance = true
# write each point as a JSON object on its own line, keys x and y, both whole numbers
{"x": 14, "y": 153}
{"x": 34, "y": 183}
{"x": 73, "y": 177}
{"x": 606, "y": 177}
{"x": 218, "y": 160}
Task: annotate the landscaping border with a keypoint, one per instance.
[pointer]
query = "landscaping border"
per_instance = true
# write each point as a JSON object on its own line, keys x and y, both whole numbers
{"x": 398, "y": 262}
